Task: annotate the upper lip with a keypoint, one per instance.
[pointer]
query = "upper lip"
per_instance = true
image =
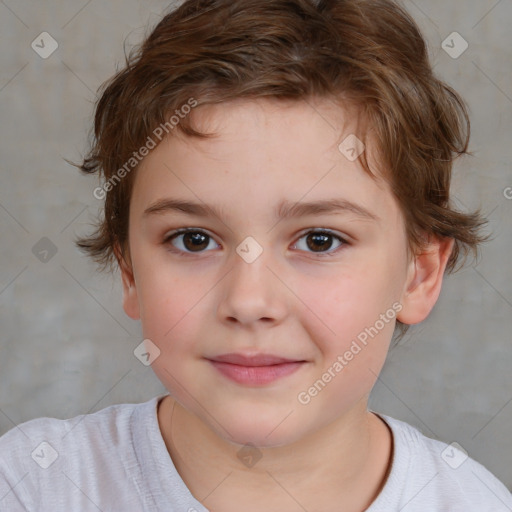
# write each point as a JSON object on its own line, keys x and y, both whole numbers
{"x": 255, "y": 360}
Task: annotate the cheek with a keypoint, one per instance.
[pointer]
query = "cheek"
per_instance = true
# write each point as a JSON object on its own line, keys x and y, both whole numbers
{"x": 343, "y": 304}
{"x": 168, "y": 303}
{"x": 171, "y": 318}
{"x": 175, "y": 305}
{"x": 345, "y": 324}
{"x": 351, "y": 338}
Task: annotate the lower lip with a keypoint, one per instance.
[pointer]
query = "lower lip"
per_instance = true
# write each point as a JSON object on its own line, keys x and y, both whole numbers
{"x": 254, "y": 375}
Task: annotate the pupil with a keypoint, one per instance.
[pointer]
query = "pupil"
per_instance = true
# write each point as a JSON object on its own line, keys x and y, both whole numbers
{"x": 322, "y": 238}
{"x": 198, "y": 239}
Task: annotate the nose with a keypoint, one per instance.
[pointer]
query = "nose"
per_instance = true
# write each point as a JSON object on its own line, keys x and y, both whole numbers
{"x": 253, "y": 293}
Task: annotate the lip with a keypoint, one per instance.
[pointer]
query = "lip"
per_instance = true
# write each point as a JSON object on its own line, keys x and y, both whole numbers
{"x": 255, "y": 370}
{"x": 254, "y": 360}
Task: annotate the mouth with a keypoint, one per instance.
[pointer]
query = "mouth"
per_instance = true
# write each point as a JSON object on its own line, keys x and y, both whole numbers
{"x": 255, "y": 370}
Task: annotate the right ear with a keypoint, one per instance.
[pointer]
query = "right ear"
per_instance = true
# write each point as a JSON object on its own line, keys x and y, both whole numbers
{"x": 130, "y": 297}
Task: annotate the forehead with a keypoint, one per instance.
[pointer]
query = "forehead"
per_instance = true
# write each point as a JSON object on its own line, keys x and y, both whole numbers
{"x": 264, "y": 152}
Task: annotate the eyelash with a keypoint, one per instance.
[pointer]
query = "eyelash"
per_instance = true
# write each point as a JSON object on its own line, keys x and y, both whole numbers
{"x": 179, "y": 252}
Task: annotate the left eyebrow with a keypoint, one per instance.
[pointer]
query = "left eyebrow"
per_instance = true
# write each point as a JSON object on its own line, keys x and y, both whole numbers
{"x": 285, "y": 209}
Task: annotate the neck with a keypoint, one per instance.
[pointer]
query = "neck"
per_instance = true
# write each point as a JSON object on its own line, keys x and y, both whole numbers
{"x": 348, "y": 459}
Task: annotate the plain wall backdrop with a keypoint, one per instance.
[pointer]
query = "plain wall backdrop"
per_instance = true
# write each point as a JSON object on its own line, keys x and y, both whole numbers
{"x": 66, "y": 345}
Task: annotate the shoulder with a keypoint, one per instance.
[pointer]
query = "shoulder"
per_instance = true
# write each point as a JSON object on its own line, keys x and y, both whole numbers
{"x": 48, "y": 458}
{"x": 442, "y": 475}
{"x": 69, "y": 434}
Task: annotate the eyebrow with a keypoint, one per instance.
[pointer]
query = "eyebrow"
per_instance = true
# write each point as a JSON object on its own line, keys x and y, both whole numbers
{"x": 285, "y": 209}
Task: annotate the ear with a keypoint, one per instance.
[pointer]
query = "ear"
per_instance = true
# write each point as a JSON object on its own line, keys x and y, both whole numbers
{"x": 130, "y": 298}
{"x": 424, "y": 280}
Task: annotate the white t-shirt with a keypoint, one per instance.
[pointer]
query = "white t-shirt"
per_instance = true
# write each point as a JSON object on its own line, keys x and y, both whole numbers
{"x": 116, "y": 460}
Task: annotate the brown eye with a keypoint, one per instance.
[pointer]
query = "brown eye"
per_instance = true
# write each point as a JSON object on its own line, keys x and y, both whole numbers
{"x": 195, "y": 241}
{"x": 321, "y": 241}
{"x": 189, "y": 241}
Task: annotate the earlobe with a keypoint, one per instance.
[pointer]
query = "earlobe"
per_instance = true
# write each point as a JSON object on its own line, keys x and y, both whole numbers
{"x": 130, "y": 297}
{"x": 424, "y": 280}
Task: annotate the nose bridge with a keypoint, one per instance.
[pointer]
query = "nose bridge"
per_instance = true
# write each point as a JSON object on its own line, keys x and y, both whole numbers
{"x": 251, "y": 290}
{"x": 251, "y": 262}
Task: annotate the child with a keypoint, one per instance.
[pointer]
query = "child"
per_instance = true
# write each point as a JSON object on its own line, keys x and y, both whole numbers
{"x": 270, "y": 264}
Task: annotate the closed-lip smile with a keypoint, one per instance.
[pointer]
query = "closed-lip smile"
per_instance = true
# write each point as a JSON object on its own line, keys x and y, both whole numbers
{"x": 258, "y": 369}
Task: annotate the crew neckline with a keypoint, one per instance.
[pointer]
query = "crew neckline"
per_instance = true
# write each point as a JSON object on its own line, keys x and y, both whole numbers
{"x": 151, "y": 451}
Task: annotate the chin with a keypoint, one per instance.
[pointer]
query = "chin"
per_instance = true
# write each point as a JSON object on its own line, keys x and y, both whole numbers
{"x": 265, "y": 434}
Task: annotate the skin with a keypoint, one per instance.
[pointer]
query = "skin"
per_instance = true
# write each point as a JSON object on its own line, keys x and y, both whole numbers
{"x": 292, "y": 301}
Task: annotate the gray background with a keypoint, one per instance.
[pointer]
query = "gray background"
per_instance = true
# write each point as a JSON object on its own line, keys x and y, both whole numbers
{"x": 66, "y": 346}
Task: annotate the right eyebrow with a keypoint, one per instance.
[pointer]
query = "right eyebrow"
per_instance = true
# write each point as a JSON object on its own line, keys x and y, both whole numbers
{"x": 285, "y": 209}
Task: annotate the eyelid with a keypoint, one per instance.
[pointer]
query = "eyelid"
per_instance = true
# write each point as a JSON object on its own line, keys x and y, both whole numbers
{"x": 345, "y": 240}
{"x": 342, "y": 236}
{"x": 181, "y": 231}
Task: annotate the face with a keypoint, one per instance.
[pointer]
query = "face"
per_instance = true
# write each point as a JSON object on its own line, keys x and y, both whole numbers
{"x": 308, "y": 287}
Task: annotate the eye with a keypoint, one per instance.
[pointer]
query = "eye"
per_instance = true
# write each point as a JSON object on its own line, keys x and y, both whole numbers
{"x": 196, "y": 241}
{"x": 188, "y": 241}
{"x": 316, "y": 240}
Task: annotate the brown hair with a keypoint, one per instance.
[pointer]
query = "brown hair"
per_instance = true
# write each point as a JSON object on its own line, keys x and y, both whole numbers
{"x": 370, "y": 52}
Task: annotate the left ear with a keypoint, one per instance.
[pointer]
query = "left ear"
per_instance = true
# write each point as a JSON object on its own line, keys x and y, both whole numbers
{"x": 424, "y": 280}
